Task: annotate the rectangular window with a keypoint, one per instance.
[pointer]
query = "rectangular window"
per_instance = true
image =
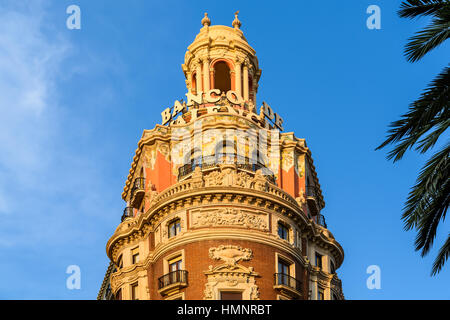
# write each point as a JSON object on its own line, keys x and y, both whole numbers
{"x": 283, "y": 231}
{"x": 135, "y": 255}
{"x": 134, "y": 291}
{"x": 229, "y": 295}
{"x": 120, "y": 262}
{"x": 320, "y": 295}
{"x": 119, "y": 294}
{"x": 332, "y": 267}
{"x": 283, "y": 267}
{"x": 174, "y": 228}
{"x": 174, "y": 268}
{"x": 318, "y": 260}
{"x": 284, "y": 272}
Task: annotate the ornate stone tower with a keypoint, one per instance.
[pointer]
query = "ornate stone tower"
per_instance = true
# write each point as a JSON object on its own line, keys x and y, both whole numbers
{"x": 221, "y": 204}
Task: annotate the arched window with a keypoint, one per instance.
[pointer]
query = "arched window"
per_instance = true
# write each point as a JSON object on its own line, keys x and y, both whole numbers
{"x": 222, "y": 77}
{"x": 194, "y": 82}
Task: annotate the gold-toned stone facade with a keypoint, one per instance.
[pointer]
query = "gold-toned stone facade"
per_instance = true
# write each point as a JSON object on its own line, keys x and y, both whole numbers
{"x": 203, "y": 219}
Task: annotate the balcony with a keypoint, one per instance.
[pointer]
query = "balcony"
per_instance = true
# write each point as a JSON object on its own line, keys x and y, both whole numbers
{"x": 288, "y": 285}
{"x": 312, "y": 198}
{"x": 321, "y": 221}
{"x": 172, "y": 281}
{"x": 209, "y": 162}
{"x": 127, "y": 213}
{"x": 137, "y": 192}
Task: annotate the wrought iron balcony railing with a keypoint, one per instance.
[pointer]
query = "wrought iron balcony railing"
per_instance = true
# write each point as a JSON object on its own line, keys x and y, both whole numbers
{"x": 139, "y": 184}
{"x": 312, "y": 197}
{"x": 312, "y": 191}
{"x": 175, "y": 277}
{"x": 321, "y": 220}
{"x": 282, "y": 279}
{"x": 137, "y": 192}
{"x": 208, "y": 162}
{"x": 127, "y": 213}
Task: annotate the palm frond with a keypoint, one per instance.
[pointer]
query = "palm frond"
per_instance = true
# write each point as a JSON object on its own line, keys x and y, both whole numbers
{"x": 426, "y": 120}
{"x": 442, "y": 256}
{"x": 415, "y": 8}
{"x": 429, "y": 38}
{"x": 432, "y": 181}
{"x": 431, "y": 109}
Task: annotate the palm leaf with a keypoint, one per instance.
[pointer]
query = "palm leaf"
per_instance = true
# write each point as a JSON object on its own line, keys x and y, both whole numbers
{"x": 429, "y": 38}
{"x": 430, "y": 110}
{"x": 442, "y": 256}
{"x": 427, "y": 119}
{"x": 433, "y": 183}
{"x": 415, "y": 8}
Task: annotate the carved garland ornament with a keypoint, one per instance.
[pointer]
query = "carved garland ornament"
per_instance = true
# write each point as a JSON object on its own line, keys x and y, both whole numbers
{"x": 230, "y": 254}
{"x": 231, "y": 275}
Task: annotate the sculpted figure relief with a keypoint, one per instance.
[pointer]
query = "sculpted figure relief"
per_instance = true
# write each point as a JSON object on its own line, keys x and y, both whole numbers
{"x": 228, "y": 217}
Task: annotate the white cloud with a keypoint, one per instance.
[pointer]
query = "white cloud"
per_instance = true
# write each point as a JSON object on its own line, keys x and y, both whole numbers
{"x": 42, "y": 178}
{"x": 29, "y": 64}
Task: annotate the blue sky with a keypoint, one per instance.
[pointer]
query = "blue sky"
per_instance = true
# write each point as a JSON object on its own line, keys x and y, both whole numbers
{"x": 74, "y": 103}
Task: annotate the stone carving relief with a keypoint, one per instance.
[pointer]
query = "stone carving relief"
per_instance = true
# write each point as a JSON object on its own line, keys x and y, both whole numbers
{"x": 230, "y": 274}
{"x": 230, "y": 254}
{"x": 163, "y": 148}
{"x": 229, "y": 217}
{"x": 323, "y": 283}
{"x": 300, "y": 166}
{"x": 301, "y": 199}
{"x": 287, "y": 160}
{"x": 126, "y": 225}
{"x": 230, "y": 177}
{"x": 150, "y": 196}
{"x": 149, "y": 158}
{"x": 197, "y": 178}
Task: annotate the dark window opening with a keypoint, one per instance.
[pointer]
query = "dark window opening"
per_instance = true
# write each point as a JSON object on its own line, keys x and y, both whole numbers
{"x": 229, "y": 295}
{"x": 222, "y": 77}
{"x": 283, "y": 231}
{"x": 174, "y": 228}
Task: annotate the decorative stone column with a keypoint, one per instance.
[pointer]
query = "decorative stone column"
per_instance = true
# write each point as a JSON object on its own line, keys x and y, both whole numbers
{"x": 238, "y": 77}
{"x": 206, "y": 74}
{"x": 233, "y": 80}
{"x": 246, "y": 96}
{"x": 254, "y": 88}
{"x": 199, "y": 75}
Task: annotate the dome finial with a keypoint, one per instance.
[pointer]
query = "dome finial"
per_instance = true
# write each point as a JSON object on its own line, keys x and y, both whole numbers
{"x": 236, "y": 23}
{"x": 205, "y": 20}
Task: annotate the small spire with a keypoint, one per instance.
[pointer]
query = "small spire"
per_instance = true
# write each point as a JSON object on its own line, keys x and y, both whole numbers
{"x": 236, "y": 23}
{"x": 205, "y": 20}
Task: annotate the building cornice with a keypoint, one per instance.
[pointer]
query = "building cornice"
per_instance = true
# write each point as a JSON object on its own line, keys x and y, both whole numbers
{"x": 189, "y": 194}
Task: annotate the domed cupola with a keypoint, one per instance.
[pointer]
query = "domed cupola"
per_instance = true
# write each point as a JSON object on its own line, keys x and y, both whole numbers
{"x": 221, "y": 58}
